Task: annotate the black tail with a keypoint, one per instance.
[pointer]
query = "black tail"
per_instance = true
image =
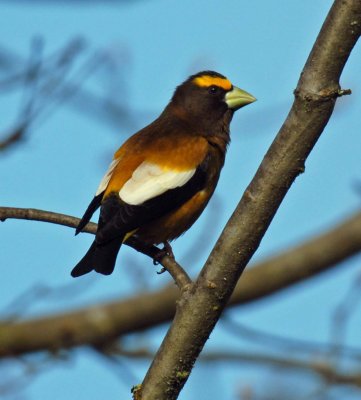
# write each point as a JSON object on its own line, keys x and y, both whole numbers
{"x": 100, "y": 258}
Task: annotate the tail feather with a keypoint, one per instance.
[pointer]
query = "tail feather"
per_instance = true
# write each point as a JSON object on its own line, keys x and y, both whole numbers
{"x": 100, "y": 258}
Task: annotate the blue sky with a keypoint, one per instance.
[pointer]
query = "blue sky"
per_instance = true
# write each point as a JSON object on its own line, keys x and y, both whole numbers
{"x": 261, "y": 46}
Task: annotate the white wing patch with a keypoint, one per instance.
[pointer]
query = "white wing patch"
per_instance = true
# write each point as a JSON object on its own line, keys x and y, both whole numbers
{"x": 149, "y": 181}
{"x": 106, "y": 178}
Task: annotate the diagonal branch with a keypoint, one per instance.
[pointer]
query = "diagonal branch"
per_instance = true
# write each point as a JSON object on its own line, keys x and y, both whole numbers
{"x": 199, "y": 310}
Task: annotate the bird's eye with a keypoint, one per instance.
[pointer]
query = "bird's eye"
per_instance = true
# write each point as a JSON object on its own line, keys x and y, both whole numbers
{"x": 213, "y": 89}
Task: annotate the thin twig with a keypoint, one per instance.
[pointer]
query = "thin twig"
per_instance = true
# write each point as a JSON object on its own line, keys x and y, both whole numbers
{"x": 160, "y": 256}
{"x": 320, "y": 366}
{"x": 175, "y": 270}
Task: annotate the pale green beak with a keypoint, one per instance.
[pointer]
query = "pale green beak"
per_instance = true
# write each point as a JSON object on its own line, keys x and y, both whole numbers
{"x": 238, "y": 98}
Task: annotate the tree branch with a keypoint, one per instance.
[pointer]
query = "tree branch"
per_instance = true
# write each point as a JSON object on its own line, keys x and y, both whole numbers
{"x": 321, "y": 366}
{"x": 199, "y": 310}
{"x": 33, "y": 214}
{"x": 169, "y": 263}
{"x": 161, "y": 256}
{"x": 147, "y": 310}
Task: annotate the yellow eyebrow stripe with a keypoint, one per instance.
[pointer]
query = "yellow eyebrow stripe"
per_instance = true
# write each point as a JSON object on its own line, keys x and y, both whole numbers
{"x": 208, "y": 80}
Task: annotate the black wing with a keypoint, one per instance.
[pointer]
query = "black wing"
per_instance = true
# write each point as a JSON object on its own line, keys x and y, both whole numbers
{"x": 117, "y": 218}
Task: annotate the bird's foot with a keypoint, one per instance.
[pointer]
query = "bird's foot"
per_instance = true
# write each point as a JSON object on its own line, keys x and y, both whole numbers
{"x": 165, "y": 251}
{"x": 168, "y": 249}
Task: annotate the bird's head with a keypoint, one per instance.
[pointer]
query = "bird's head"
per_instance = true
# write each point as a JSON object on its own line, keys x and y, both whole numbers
{"x": 209, "y": 95}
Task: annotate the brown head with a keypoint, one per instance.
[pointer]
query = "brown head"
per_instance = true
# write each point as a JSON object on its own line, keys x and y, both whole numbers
{"x": 208, "y": 99}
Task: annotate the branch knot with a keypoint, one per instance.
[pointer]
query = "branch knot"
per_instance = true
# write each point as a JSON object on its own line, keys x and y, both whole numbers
{"x": 326, "y": 94}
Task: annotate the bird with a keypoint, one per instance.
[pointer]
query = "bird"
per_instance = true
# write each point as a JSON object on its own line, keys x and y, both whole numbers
{"x": 161, "y": 179}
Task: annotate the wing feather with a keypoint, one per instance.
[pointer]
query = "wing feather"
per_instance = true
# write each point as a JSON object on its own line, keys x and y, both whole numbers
{"x": 118, "y": 217}
{"x": 150, "y": 180}
{"x": 106, "y": 178}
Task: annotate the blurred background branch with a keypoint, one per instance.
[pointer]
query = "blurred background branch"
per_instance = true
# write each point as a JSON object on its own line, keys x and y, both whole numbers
{"x": 49, "y": 81}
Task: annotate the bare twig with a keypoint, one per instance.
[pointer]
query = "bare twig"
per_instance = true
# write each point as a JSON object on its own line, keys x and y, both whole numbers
{"x": 319, "y": 366}
{"x": 287, "y": 344}
{"x": 41, "y": 78}
{"x": 177, "y": 272}
{"x": 180, "y": 276}
{"x": 160, "y": 256}
{"x": 33, "y": 214}
{"x": 52, "y": 85}
{"x": 341, "y": 319}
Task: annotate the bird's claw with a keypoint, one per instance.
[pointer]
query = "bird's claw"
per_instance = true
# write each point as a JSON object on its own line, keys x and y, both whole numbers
{"x": 168, "y": 249}
{"x": 165, "y": 251}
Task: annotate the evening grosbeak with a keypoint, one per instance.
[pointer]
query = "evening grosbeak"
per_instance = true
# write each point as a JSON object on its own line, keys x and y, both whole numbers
{"x": 161, "y": 178}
